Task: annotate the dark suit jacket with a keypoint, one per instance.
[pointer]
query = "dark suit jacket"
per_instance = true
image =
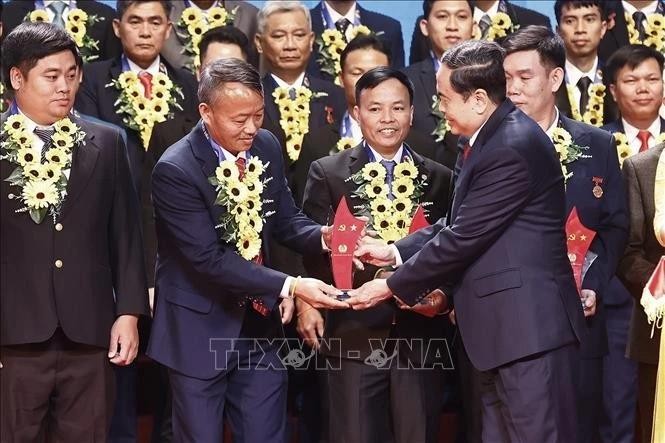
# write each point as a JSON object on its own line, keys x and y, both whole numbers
{"x": 201, "y": 279}
{"x": 607, "y": 216}
{"x": 392, "y": 35}
{"x": 326, "y": 185}
{"x": 245, "y": 20}
{"x": 99, "y": 244}
{"x": 13, "y": 13}
{"x": 509, "y": 196}
{"x": 96, "y": 99}
{"x": 424, "y": 121}
{"x": 617, "y": 125}
{"x": 420, "y": 46}
{"x": 643, "y": 250}
{"x": 610, "y": 110}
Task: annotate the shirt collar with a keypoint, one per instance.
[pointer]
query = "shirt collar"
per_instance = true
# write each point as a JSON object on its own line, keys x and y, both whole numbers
{"x": 631, "y": 131}
{"x": 473, "y": 138}
{"x": 71, "y": 4}
{"x": 194, "y": 5}
{"x": 550, "y": 130}
{"x": 30, "y": 125}
{"x": 573, "y": 73}
{"x": 152, "y": 69}
{"x": 282, "y": 84}
{"x": 335, "y": 16}
{"x": 225, "y": 154}
{"x": 478, "y": 13}
{"x": 378, "y": 157}
{"x": 651, "y": 8}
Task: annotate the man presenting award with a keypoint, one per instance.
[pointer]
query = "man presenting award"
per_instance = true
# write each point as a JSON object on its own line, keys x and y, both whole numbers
{"x": 503, "y": 253}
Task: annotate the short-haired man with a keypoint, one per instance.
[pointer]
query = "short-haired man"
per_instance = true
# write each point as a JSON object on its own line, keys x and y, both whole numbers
{"x": 367, "y": 403}
{"x": 534, "y": 65}
{"x": 582, "y": 97}
{"x": 142, "y": 27}
{"x": 517, "y": 309}
{"x": 73, "y": 282}
{"x": 444, "y": 24}
{"x": 219, "y": 310}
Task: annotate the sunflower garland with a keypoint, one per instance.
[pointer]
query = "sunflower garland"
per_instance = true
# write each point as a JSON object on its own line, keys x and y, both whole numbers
{"x": 344, "y": 143}
{"x": 391, "y": 219}
{"x": 567, "y": 149}
{"x": 654, "y": 31}
{"x": 623, "y": 147}
{"x": 442, "y": 126}
{"x": 43, "y": 183}
{"x": 500, "y": 27}
{"x": 194, "y": 23}
{"x": 77, "y": 24}
{"x": 294, "y": 115}
{"x": 242, "y": 222}
{"x": 142, "y": 113}
{"x": 593, "y": 114}
{"x": 331, "y": 43}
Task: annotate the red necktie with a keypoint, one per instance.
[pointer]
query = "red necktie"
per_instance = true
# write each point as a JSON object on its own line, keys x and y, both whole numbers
{"x": 644, "y": 139}
{"x": 146, "y": 80}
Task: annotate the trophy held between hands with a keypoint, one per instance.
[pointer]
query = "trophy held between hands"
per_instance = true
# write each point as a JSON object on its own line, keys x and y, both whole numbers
{"x": 347, "y": 230}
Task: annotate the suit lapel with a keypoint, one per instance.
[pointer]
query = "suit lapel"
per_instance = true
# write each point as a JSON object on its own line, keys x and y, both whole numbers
{"x": 562, "y": 99}
{"x": 620, "y": 30}
{"x": 317, "y": 20}
{"x": 357, "y": 160}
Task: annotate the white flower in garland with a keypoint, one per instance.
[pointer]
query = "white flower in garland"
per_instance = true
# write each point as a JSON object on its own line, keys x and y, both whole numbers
{"x": 43, "y": 184}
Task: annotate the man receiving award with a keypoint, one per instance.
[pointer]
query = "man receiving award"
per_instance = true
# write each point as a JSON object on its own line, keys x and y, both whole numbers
{"x": 502, "y": 253}
{"x": 384, "y": 180}
{"x": 219, "y": 195}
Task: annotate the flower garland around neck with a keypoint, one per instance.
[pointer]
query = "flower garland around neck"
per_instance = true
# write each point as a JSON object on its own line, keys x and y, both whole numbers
{"x": 293, "y": 104}
{"x": 77, "y": 24}
{"x": 442, "y": 126}
{"x": 654, "y": 31}
{"x": 331, "y": 43}
{"x": 43, "y": 183}
{"x": 194, "y": 23}
{"x": 242, "y": 222}
{"x": 623, "y": 147}
{"x": 142, "y": 113}
{"x": 390, "y": 219}
{"x": 567, "y": 149}
{"x": 593, "y": 114}
{"x": 500, "y": 27}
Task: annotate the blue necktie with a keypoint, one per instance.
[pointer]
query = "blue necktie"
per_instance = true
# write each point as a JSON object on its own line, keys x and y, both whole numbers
{"x": 58, "y": 7}
{"x": 390, "y": 167}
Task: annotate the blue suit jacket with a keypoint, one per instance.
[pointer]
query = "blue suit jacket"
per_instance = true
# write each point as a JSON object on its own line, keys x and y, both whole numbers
{"x": 607, "y": 216}
{"x": 200, "y": 279}
{"x": 392, "y": 35}
{"x": 504, "y": 252}
{"x": 617, "y": 125}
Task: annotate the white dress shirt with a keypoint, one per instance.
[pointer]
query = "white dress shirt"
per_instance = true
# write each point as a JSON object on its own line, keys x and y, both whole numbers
{"x": 336, "y": 16}
{"x": 574, "y": 74}
{"x": 479, "y": 13}
{"x": 296, "y": 84}
{"x": 631, "y": 134}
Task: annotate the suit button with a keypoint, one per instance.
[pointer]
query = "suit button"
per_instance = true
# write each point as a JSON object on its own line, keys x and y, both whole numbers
{"x": 58, "y": 264}
{"x": 58, "y": 227}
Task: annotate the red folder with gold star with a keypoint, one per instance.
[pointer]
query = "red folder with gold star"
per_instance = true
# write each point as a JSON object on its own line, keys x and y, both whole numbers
{"x": 418, "y": 221}
{"x": 346, "y": 233}
{"x": 579, "y": 239}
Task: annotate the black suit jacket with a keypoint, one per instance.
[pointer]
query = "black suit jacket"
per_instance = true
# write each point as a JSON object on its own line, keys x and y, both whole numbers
{"x": 617, "y": 125}
{"x": 511, "y": 300}
{"x": 96, "y": 99}
{"x": 99, "y": 245}
{"x": 420, "y": 46}
{"x": 610, "y": 110}
{"x": 616, "y": 37}
{"x": 13, "y": 13}
{"x": 643, "y": 250}
{"x": 424, "y": 121}
{"x": 606, "y": 215}
{"x": 392, "y": 35}
{"x": 326, "y": 185}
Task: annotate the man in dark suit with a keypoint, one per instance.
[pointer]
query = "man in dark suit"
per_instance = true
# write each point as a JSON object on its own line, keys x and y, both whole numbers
{"x": 244, "y": 19}
{"x": 212, "y": 301}
{"x": 627, "y": 17}
{"x": 141, "y": 45}
{"x": 581, "y": 26}
{"x": 15, "y": 12}
{"x": 517, "y": 309}
{"x": 593, "y": 186}
{"x": 73, "y": 283}
{"x": 420, "y": 46}
{"x": 445, "y": 24}
{"x": 406, "y": 398}
{"x": 343, "y": 15}
{"x": 635, "y": 268}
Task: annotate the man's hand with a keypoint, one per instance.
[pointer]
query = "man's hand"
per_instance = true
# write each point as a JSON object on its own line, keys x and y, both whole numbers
{"x": 318, "y": 294}
{"x": 309, "y": 324}
{"x": 286, "y": 308}
{"x": 433, "y": 304}
{"x": 375, "y": 252}
{"x": 369, "y": 295}
{"x": 124, "y": 335}
{"x": 588, "y": 297}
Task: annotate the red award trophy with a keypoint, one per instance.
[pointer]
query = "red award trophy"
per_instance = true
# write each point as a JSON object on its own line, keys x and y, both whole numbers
{"x": 418, "y": 221}
{"x": 579, "y": 240}
{"x": 346, "y": 232}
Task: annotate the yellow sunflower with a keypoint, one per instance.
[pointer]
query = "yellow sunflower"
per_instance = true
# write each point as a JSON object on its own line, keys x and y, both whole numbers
{"x": 217, "y": 17}
{"x": 390, "y": 234}
{"x": 65, "y": 126}
{"x": 405, "y": 169}
{"x": 381, "y": 206}
{"x": 345, "y": 143}
{"x": 359, "y": 30}
{"x": 128, "y": 78}
{"x": 249, "y": 245}
{"x": 57, "y": 156}
{"x": 331, "y": 37}
{"x": 33, "y": 171}
{"x": 374, "y": 171}
{"x": 141, "y": 105}
{"x": 402, "y": 206}
{"x": 254, "y": 187}
{"x": 236, "y": 191}
{"x": 161, "y": 79}
{"x": 403, "y": 187}
{"x": 62, "y": 141}
{"x": 191, "y": 16}
{"x": 40, "y": 194}
{"x": 560, "y": 135}
{"x": 50, "y": 172}
{"x": 376, "y": 189}
{"x": 160, "y": 107}
{"x": 253, "y": 168}
{"x": 26, "y": 156}
{"x": 196, "y": 30}
{"x": 76, "y": 31}
{"x": 227, "y": 171}
{"x": 14, "y": 124}
{"x": 39, "y": 15}
{"x": 77, "y": 15}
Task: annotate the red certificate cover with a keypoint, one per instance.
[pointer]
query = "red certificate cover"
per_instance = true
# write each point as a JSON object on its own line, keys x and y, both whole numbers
{"x": 579, "y": 240}
{"x": 346, "y": 233}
